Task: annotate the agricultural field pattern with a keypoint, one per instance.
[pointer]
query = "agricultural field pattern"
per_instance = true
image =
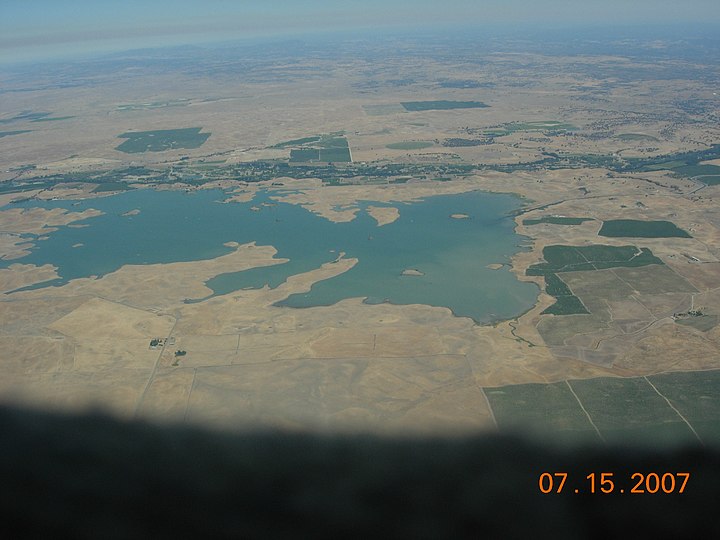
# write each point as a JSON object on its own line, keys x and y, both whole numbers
{"x": 380, "y": 237}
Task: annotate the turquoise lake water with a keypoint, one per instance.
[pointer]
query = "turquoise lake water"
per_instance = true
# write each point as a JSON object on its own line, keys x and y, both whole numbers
{"x": 176, "y": 226}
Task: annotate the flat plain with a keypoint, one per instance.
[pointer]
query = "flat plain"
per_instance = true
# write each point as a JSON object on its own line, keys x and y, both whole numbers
{"x": 613, "y": 158}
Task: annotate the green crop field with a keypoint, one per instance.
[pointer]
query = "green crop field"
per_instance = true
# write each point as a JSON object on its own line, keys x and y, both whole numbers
{"x": 27, "y": 115}
{"x": 697, "y": 171}
{"x": 409, "y": 145}
{"x": 154, "y": 105}
{"x": 326, "y": 148}
{"x": 333, "y": 142}
{"x": 53, "y": 119}
{"x": 555, "y": 286}
{"x": 625, "y": 228}
{"x": 335, "y": 155}
{"x": 657, "y": 284}
{"x": 577, "y": 258}
{"x": 441, "y": 105}
{"x": 541, "y": 126}
{"x": 112, "y": 186}
{"x": 684, "y": 164}
{"x": 664, "y": 165}
{"x": 296, "y": 142}
{"x": 305, "y": 154}
{"x": 636, "y": 137}
{"x": 556, "y": 220}
{"x": 161, "y": 140}
{"x": 654, "y": 279}
{"x": 11, "y": 133}
{"x": 712, "y": 180}
{"x": 695, "y": 395}
{"x": 541, "y": 409}
{"x": 630, "y": 411}
{"x": 497, "y": 132}
{"x": 664, "y": 410}
{"x": 566, "y": 303}
{"x": 555, "y": 330}
{"x": 604, "y": 284}
{"x": 383, "y": 110}
{"x": 585, "y": 261}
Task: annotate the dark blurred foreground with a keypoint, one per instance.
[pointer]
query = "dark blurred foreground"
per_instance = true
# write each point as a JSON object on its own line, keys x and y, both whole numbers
{"x": 96, "y": 477}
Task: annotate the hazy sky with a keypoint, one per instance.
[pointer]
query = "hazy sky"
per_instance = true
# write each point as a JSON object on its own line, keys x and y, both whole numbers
{"x": 37, "y": 28}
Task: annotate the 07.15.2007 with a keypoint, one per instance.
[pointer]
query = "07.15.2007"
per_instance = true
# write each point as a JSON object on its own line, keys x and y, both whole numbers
{"x": 607, "y": 482}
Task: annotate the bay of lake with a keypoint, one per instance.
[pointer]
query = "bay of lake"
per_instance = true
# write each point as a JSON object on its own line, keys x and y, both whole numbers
{"x": 451, "y": 254}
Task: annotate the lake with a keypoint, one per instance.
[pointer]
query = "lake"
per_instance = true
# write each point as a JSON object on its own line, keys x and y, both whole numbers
{"x": 451, "y": 254}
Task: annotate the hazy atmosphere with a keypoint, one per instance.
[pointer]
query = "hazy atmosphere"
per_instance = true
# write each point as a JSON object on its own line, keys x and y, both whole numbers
{"x": 389, "y": 268}
{"x": 39, "y": 29}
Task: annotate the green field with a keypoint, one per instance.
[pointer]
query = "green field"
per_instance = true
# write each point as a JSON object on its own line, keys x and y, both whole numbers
{"x": 162, "y": 139}
{"x": 335, "y": 155}
{"x": 627, "y": 228}
{"x": 333, "y": 142}
{"x": 541, "y": 410}
{"x": 441, "y": 105}
{"x": 550, "y": 125}
{"x": 653, "y": 279}
{"x": 26, "y": 115}
{"x": 459, "y": 142}
{"x": 540, "y": 126}
{"x": 636, "y": 137}
{"x": 496, "y": 132}
{"x": 597, "y": 286}
{"x": 153, "y": 105}
{"x": 112, "y": 186}
{"x": 383, "y": 110}
{"x": 660, "y": 410}
{"x": 577, "y": 258}
{"x": 329, "y": 155}
{"x": 665, "y": 165}
{"x": 688, "y": 167}
{"x": 556, "y": 286}
{"x": 556, "y": 220}
{"x": 630, "y": 411}
{"x": 584, "y": 258}
{"x": 712, "y": 180}
{"x": 11, "y": 133}
{"x": 296, "y": 142}
{"x": 464, "y": 83}
{"x": 566, "y": 303}
{"x": 34, "y": 117}
{"x": 324, "y": 149}
{"x": 695, "y": 395}
{"x": 555, "y": 330}
{"x": 409, "y": 145}
{"x": 54, "y": 119}
{"x": 694, "y": 171}
{"x": 305, "y": 154}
